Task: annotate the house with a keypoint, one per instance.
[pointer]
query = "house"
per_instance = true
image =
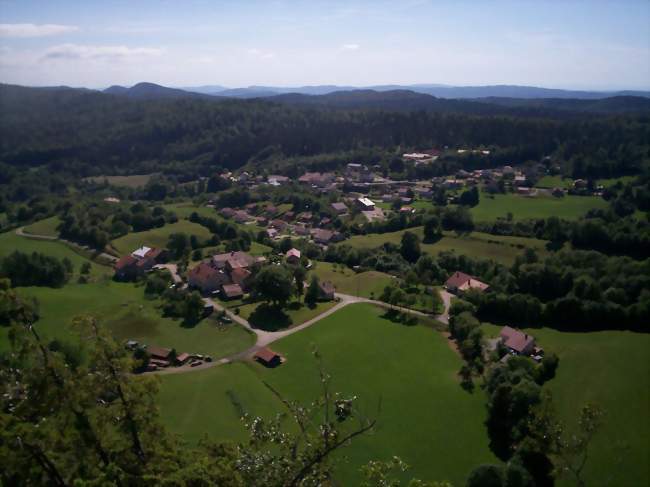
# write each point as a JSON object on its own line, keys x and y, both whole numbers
{"x": 232, "y": 260}
{"x": 339, "y": 208}
{"x": 231, "y": 291}
{"x": 125, "y": 268}
{"x": 268, "y": 357}
{"x": 316, "y": 179}
{"x": 227, "y": 212}
{"x": 301, "y": 230}
{"x": 275, "y": 180}
{"x": 293, "y": 256}
{"x": 240, "y": 276}
{"x": 365, "y": 204}
{"x": 326, "y": 290}
{"x": 460, "y": 282}
{"x": 241, "y": 216}
{"x": 407, "y": 209}
{"x": 182, "y": 358}
{"x": 279, "y": 225}
{"x": 206, "y": 278}
{"x": 322, "y": 236}
{"x": 304, "y": 217}
{"x": 160, "y": 353}
{"x": 271, "y": 233}
{"x": 517, "y": 341}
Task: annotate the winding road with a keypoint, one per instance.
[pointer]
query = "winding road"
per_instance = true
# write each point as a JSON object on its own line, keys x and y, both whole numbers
{"x": 262, "y": 338}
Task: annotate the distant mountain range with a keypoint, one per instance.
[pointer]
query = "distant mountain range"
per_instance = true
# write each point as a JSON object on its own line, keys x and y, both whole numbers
{"x": 385, "y": 98}
{"x": 439, "y": 91}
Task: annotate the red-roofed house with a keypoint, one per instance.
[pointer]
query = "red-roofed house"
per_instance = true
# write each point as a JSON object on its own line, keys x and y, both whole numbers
{"x": 231, "y": 291}
{"x": 206, "y": 278}
{"x": 293, "y": 256}
{"x": 125, "y": 268}
{"x": 459, "y": 282}
{"x": 517, "y": 341}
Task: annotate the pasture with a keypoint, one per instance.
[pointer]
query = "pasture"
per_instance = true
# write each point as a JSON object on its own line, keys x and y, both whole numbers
{"x": 368, "y": 284}
{"x": 158, "y": 237}
{"x": 569, "y": 207}
{"x": 47, "y": 227}
{"x": 123, "y": 309}
{"x": 609, "y": 369}
{"x": 10, "y": 242}
{"x": 502, "y": 249}
{"x": 133, "y": 181}
{"x": 425, "y": 418}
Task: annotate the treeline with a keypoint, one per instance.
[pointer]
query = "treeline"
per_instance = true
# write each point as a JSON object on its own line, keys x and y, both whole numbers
{"x": 35, "y": 269}
{"x": 86, "y": 133}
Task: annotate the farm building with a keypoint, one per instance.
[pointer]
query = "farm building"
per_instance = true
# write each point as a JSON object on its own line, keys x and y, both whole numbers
{"x": 268, "y": 357}
{"x": 517, "y": 341}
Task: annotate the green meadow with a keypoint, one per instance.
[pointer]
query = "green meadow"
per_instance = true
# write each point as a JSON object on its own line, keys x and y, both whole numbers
{"x": 133, "y": 181}
{"x": 502, "y": 249}
{"x": 365, "y": 284}
{"x": 425, "y": 416}
{"x": 609, "y": 369}
{"x": 569, "y": 207}
{"x": 46, "y": 227}
{"x": 158, "y": 237}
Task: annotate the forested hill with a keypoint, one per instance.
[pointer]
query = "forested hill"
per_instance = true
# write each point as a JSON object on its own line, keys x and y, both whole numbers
{"x": 89, "y": 133}
{"x": 405, "y": 100}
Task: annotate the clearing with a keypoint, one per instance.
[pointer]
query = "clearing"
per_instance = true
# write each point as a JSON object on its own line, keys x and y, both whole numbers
{"x": 45, "y": 227}
{"x": 569, "y": 207}
{"x": 133, "y": 181}
{"x": 158, "y": 237}
{"x": 426, "y": 418}
{"x": 368, "y": 284}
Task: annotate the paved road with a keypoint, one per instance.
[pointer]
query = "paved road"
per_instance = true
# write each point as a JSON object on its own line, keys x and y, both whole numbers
{"x": 21, "y": 232}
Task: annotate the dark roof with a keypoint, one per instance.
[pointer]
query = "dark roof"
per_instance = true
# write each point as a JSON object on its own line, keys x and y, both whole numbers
{"x": 232, "y": 290}
{"x": 154, "y": 253}
{"x": 515, "y": 339}
{"x": 327, "y": 287}
{"x": 159, "y": 352}
{"x": 203, "y": 273}
{"x": 126, "y": 261}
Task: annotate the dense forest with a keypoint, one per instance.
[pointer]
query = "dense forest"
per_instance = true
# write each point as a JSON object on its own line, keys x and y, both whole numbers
{"x": 90, "y": 133}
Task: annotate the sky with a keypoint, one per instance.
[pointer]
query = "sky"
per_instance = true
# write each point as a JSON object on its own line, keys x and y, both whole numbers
{"x": 588, "y": 44}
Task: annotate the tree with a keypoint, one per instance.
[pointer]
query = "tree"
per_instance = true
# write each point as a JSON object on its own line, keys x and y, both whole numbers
{"x": 410, "y": 247}
{"x": 311, "y": 296}
{"x": 299, "y": 276}
{"x": 193, "y": 307}
{"x": 178, "y": 244}
{"x": 486, "y": 476}
{"x": 432, "y": 229}
{"x": 469, "y": 197}
{"x": 274, "y": 284}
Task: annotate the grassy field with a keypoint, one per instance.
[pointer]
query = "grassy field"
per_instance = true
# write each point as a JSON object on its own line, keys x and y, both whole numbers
{"x": 122, "y": 308}
{"x": 366, "y": 284}
{"x": 158, "y": 237}
{"x": 554, "y": 182}
{"x": 133, "y": 181}
{"x": 569, "y": 207}
{"x": 610, "y": 369}
{"x": 45, "y": 227}
{"x": 425, "y": 418}
{"x": 9, "y": 242}
{"x": 185, "y": 209}
{"x": 480, "y": 245}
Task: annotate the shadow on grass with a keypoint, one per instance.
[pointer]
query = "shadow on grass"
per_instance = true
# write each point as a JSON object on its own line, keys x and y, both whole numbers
{"x": 269, "y": 318}
{"x": 400, "y": 317}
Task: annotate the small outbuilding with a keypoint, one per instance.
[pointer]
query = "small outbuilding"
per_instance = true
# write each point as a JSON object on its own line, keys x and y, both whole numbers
{"x": 268, "y": 357}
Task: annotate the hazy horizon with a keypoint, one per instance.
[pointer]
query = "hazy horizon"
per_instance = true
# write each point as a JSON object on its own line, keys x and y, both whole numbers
{"x": 574, "y": 45}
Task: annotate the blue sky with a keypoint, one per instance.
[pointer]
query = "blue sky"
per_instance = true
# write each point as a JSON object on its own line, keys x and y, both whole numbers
{"x": 589, "y": 44}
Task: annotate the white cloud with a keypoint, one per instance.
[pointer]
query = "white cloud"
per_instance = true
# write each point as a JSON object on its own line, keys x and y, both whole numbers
{"x": 34, "y": 30}
{"x": 76, "y": 51}
{"x": 261, "y": 53}
{"x": 350, "y": 47}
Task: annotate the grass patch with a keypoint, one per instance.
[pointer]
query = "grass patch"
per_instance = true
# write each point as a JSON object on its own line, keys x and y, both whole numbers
{"x": 426, "y": 418}
{"x": 365, "y": 284}
{"x": 610, "y": 369}
{"x": 296, "y": 313}
{"x": 209, "y": 402}
{"x": 158, "y": 237}
{"x": 46, "y": 227}
{"x": 502, "y": 249}
{"x": 554, "y": 182}
{"x": 124, "y": 310}
{"x": 9, "y": 242}
{"x": 569, "y": 207}
{"x": 133, "y": 181}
